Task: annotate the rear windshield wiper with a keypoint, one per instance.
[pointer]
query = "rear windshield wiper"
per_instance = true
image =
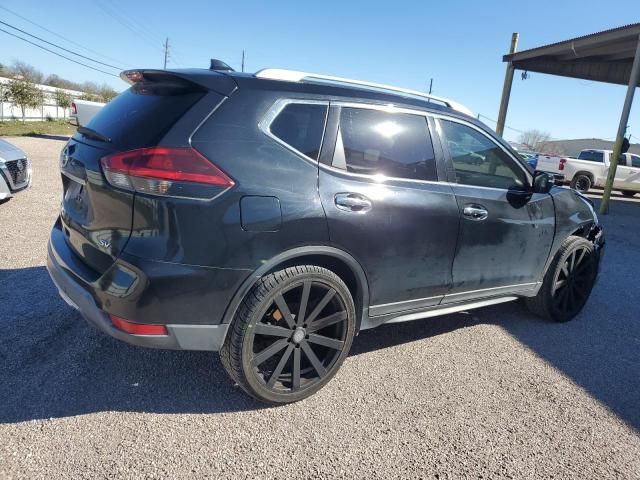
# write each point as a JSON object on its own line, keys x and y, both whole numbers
{"x": 91, "y": 133}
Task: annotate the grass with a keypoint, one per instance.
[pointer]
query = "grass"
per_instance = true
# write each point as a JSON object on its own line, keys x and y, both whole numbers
{"x": 18, "y": 129}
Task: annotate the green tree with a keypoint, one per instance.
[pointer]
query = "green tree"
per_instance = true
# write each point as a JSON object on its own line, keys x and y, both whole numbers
{"x": 25, "y": 95}
{"x": 63, "y": 100}
{"x": 106, "y": 93}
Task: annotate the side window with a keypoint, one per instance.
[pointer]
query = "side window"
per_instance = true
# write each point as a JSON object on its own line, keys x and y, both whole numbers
{"x": 301, "y": 126}
{"x": 635, "y": 161}
{"x": 622, "y": 160}
{"x": 375, "y": 142}
{"x": 591, "y": 156}
{"x": 479, "y": 161}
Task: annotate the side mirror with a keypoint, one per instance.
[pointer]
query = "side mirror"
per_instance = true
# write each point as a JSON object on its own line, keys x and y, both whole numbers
{"x": 543, "y": 182}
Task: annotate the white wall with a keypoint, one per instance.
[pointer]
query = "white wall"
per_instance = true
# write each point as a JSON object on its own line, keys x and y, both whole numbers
{"x": 9, "y": 111}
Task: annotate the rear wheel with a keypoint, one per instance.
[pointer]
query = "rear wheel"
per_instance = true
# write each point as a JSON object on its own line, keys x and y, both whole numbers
{"x": 290, "y": 335}
{"x": 568, "y": 281}
{"x": 581, "y": 183}
{"x": 628, "y": 193}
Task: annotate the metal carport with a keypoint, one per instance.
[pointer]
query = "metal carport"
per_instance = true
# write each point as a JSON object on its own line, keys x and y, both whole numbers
{"x": 612, "y": 56}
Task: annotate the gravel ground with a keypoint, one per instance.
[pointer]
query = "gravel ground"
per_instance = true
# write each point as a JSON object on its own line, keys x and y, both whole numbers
{"x": 495, "y": 393}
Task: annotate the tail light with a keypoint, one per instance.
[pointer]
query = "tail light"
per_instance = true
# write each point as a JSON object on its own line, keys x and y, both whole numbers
{"x": 166, "y": 171}
{"x": 562, "y": 162}
{"x": 74, "y": 109}
{"x": 137, "y": 328}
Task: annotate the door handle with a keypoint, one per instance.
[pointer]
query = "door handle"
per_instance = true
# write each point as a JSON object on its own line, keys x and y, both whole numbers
{"x": 475, "y": 212}
{"x": 353, "y": 202}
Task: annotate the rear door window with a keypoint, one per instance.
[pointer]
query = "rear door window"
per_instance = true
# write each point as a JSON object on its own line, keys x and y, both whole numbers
{"x": 301, "y": 125}
{"x": 375, "y": 142}
{"x": 591, "y": 156}
{"x": 635, "y": 161}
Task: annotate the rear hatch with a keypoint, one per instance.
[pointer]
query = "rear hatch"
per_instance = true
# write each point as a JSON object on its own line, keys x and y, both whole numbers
{"x": 95, "y": 216}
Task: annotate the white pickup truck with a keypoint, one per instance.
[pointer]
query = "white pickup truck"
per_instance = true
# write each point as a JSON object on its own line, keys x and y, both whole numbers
{"x": 591, "y": 168}
{"x": 82, "y": 111}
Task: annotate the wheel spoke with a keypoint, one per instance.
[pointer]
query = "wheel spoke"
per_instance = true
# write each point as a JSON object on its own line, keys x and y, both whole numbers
{"x": 326, "y": 321}
{"x": 306, "y": 288}
{"x": 323, "y": 303}
{"x": 583, "y": 253}
{"x": 284, "y": 310}
{"x": 278, "y": 370}
{"x": 295, "y": 385}
{"x": 565, "y": 269}
{"x": 313, "y": 358}
{"x": 272, "y": 330}
{"x": 326, "y": 341}
{"x": 269, "y": 351}
{"x": 559, "y": 284}
{"x": 572, "y": 260}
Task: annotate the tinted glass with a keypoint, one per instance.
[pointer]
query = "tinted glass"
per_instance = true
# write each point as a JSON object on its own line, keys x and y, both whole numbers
{"x": 622, "y": 160}
{"x": 301, "y": 125}
{"x": 479, "y": 161}
{"x": 635, "y": 161}
{"x": 140, "y": 116}
{"x": 374, "y": 142}
{"x": 592, "y": 156}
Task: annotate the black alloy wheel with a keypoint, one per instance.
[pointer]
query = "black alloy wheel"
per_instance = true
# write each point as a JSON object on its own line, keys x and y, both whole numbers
{"x": 568, "y": 281}
{"x": 291, "y": 334}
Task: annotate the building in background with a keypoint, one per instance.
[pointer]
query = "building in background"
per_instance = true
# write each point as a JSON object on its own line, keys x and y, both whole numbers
{"x": 49, "y": 110}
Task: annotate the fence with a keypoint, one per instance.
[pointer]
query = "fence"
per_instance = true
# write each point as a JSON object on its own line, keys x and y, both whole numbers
{"x": 49, "y": 109}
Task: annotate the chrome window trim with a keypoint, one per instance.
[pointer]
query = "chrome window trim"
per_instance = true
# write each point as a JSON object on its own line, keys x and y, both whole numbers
{"x": 437, "y": 117}
{"x": 388, "y": 108}
{"x": 265, "y": 123}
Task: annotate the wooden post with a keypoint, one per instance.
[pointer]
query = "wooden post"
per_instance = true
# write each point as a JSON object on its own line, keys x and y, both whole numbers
{"x": 506, "y": 89}
{"x": 634, "y": 79}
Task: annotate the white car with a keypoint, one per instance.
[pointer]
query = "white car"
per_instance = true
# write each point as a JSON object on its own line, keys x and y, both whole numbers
{"x": 15, "y": 170}
{"x": 82, "y": 111}
{"x": 591, "y": 168}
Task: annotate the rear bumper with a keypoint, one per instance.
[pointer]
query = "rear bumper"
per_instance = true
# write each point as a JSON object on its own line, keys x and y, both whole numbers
{"x": 113, "y": 292}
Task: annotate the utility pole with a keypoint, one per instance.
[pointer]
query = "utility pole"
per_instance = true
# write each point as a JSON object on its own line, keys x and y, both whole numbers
{"x": 166, "y": 52}
{"x": 506, "y": 89}
{"x": 242, "y": 69}
{"x": 430, "y": 86}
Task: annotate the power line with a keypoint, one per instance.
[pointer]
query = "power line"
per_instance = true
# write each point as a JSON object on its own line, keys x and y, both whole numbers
{"x": 56, "y": 53}
{"x": 492, "y": 120}
{"x": 58, "y": 46}
{"x": 126, "y": 23}
{"x": 60, "y": 36}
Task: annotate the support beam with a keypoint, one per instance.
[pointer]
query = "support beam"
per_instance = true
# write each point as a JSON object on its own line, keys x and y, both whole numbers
{"x": 506, "y": 89}
{"x": 634, "y": 78}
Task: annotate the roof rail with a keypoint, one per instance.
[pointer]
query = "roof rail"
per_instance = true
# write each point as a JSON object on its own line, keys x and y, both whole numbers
{"x": 297, "y": 76}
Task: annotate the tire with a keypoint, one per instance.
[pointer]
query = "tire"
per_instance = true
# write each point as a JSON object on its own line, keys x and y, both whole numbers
{"x": 271, "y": 325}
{"x": 567, "y": 283}
{"x": 628, "y": 193}
{"x": 581, "y": 182}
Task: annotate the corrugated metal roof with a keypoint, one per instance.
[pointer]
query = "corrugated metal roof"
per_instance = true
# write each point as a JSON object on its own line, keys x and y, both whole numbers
{"x": 605, "y": 56}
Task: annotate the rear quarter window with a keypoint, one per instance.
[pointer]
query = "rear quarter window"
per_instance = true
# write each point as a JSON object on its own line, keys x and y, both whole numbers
{"x": 301, "y": 126}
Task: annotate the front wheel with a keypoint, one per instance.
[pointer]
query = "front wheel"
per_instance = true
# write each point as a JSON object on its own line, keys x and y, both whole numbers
{"x": 290, "y": 335}
{"x": 568, "y": 281}
{"x": 581, "y": 183}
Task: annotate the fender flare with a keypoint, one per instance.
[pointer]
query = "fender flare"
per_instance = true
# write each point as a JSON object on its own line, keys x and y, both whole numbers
{"x": 300, "y": 252}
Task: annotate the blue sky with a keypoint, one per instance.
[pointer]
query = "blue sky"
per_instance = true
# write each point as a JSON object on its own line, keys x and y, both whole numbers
{"x": 458, "y": 44}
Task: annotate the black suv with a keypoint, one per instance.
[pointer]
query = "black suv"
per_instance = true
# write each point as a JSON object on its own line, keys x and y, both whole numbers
{"x": 273, "y": 216}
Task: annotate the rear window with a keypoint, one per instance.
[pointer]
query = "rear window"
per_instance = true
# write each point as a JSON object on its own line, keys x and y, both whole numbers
{"x": 301, "y": 125}
{"x": 140, "y": 116}
{"x": 591, "y": 156}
